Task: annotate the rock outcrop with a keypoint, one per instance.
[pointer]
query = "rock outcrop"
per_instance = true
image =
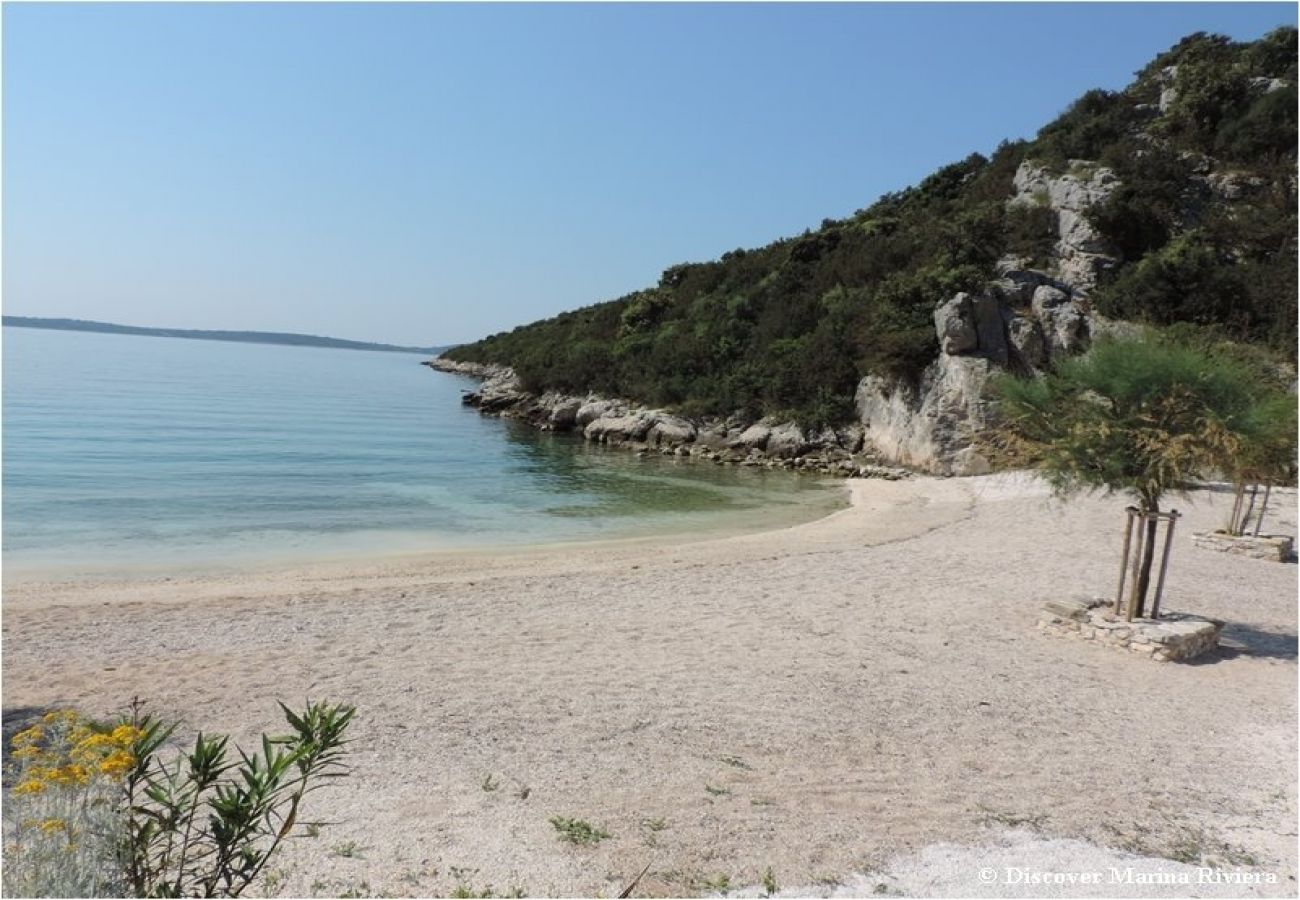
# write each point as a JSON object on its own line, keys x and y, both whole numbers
{"x": 1082, "y": 256}
{"x": 1025, "y": 320}
{"x": 730, "y": 441}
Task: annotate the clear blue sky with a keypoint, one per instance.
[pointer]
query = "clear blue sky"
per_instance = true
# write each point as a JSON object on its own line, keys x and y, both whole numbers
{"x": 431, "y": 173}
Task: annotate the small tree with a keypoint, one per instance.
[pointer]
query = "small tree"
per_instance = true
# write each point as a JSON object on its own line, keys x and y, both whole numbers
{"x": 1142, "y": 417}
{"x": 1266, "y": 455}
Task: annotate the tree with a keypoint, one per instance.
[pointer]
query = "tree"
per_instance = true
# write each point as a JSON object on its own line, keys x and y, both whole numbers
{"x": 1265, "y": 455}
{"x": 1144, "y": 417}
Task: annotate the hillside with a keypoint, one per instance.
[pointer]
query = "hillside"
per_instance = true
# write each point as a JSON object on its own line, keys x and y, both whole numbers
{"x": 1172, "y": 203}
{"x": 243, "y": 337}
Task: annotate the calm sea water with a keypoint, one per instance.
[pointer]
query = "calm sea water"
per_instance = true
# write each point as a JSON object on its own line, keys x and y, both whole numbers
{"x": 123, "y": 452}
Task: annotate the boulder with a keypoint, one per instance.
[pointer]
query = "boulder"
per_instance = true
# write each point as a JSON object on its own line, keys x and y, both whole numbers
{"x": 618, "y": 429}
{"x": 592, "y": 410}
{"x": 670, "y": 431}
{"x": 1064, "y": 324}
{"x": 971, "y": 324}
{"x": 954, "y": 322}
{"x": 752, "y": 438}
{"x": 563, "y": 411}
{"x": 786, "y": 441}
{"x": 712, "y": 437}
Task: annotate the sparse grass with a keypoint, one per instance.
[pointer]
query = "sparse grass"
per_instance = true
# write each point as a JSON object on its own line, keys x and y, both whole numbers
{"x": 720, "y": 883}
{"x": 717, "y": 791}
{"x": 523, "y": 792}
{"x": 654, "y": 826}
{"x": 489, "y": 783}
{"x": 466, "y": 892}
{"x": 762, "y": 801}
{"x": 770, "y": 887}
{"x": 577, "y": 831}
{"x": 348, "y": 850}
{"x": 737, "y": 763}
{"x": 312, "y": 830}
{"x": 1191, "y": 845}
{"x": 1195, "y": 847}
{"x": 1011, "y": 819}
{"x": 273, "y": 881}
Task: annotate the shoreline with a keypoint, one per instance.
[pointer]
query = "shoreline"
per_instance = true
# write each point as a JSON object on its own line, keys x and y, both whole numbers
{"x": 820, "y": 700}
{"x": 452, "y": 564}
{"x": 767, "y": 442}
{"x": 718, "y": 525}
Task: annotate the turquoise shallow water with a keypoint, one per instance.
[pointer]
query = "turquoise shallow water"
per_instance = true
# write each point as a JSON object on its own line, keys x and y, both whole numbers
{"x": 123, "y": 452}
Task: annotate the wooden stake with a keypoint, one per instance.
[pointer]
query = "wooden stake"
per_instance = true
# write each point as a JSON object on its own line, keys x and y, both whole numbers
{"x": 1137, "y": 565}
{"x": 1236, "y": 508}
{"x": 1152, "y": 521}
{"x": 1262, "y": 507}
{"x": 1250, "y": 508}
{"x": 1164, "y": 564}
{"x": 1123, "y": 563}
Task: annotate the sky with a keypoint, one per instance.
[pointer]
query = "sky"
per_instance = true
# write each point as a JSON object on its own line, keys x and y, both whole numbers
{"x": 431, "y": 173}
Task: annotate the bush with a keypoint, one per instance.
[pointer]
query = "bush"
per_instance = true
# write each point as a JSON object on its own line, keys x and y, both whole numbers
{"x": 1144, "y": 418}
{"x": 96, "y": 811}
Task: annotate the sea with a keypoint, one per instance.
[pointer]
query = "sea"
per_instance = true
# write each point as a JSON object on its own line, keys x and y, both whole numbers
{"x": 126, "y": 453}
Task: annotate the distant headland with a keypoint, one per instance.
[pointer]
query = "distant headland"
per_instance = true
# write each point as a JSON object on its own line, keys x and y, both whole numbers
{"x": 245, "y": 337}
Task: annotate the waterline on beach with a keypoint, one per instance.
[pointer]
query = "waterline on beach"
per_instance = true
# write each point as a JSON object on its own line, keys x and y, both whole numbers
{"x": 136, "y": 453}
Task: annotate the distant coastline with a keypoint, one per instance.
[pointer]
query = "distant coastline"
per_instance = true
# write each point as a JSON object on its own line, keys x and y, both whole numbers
{"x": 244, "y": 337}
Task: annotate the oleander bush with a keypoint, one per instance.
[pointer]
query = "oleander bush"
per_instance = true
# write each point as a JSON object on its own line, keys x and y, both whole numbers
{"x": 102, "y": 810}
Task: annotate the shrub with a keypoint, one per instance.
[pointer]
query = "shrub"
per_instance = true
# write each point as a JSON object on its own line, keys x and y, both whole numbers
{"x": 96, "y": 811}
{"x": 1142, "y": 417}
{"x": 62, "y": 808}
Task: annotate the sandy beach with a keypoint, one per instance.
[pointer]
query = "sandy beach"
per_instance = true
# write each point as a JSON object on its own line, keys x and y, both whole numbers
{"x": 831, "y": 701}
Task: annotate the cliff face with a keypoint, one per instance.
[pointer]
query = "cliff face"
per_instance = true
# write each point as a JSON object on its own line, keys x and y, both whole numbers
{"x": 871, "y": 339}
{"x": 1025, "y": 320}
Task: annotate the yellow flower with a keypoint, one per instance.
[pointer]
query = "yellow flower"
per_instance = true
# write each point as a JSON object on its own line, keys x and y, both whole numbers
{"x": 28, "y": 737}
{"x": 30, "y": 787}
{"x": 49, "y": 826}
{"x": 27, "y": 753}
{"x": 74, "y": 773}
{"x": 93, "y": 747}
{"x": 117, "y": 764}
{"x": 126, "y": 735}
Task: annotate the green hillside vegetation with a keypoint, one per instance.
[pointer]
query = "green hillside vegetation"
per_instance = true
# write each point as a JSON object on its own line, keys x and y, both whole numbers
{"x": 790, "y": 328}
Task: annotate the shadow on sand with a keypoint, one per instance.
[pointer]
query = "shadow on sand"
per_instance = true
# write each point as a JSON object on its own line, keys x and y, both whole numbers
{"x": 1245, "y": 640}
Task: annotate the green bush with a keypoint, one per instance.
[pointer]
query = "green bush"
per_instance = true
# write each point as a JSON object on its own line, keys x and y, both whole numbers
{"x": 96, "y": 810}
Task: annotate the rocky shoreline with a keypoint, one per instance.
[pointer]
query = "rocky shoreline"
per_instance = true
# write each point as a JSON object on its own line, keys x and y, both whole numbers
{"x": 725, "y": 441}
{"x": 1024, "y": 320}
